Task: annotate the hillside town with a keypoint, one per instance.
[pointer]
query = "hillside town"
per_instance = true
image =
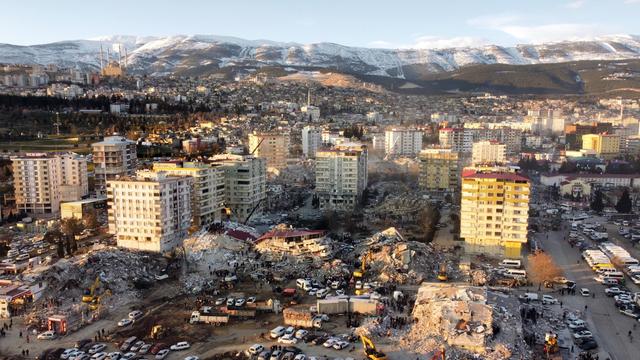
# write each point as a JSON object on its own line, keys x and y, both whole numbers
{"x": 267, "y": 216}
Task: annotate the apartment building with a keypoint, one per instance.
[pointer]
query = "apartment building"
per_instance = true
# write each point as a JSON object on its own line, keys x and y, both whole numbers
{"x": 311, "y": 141}
{"x": 494, "y": 213}
{"x": 459, "y": 140}
{"x": 439, "y": 170}
{"x": 245, "y": 184}
{"x": 272, "y": 146}
{"x": 150, "y": 211}
{"x": 402, "y": 142}
{"x": 42, "y": 181}
{"x": 606, "y": 146}
{"x": 341, "y": 176}
{"x": 114, "y": 156}
{"x": 208, "y": 190}
{"x": 488, "y": 152}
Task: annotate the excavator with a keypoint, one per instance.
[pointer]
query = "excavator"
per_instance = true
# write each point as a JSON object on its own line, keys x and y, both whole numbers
{"x": 157, "y": 332}
{"x": 97, "y": 300}
{"x": 442, "y": 274}
{"x": 359, "y": 273}
{"x": 90, "y": 294}
{"x": 370, "y": 349}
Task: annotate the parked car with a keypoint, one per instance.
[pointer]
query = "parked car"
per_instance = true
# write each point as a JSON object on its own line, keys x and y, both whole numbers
{"x": 612, "y": 291}
{"x": 300, "y": 334}
{"x": 47, "y": 335}
{"x": 576, "y": 324}
{"x": 288, "y": 339}
{"x": 144, "y": 349}
{"x": 182, "y": 345}
{"x": 548, "y": 299}
{"x": 125, "y": 322}
{"x": 255, "y": 349}
{"x": 276, "y": 355}
{"x": 585, "y": 292}
{"x": 99, "y": 356}
{"x": 135, "y": 315}
{"x": 340, "y": 345}
{"x": 162, "y": 354}
{"x": 583, "y": 334}
{"x": 116, "y": 355}
{"x": 97, "y": 348}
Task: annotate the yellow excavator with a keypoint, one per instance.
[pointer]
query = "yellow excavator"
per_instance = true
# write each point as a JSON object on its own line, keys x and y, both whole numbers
{"x": 90, "y": 293}
{"x": 442, "y": 274}
{"x": 97, "y": 300}
{"x": 551, "y": 343}
{"x": 370, "y": 349}
{"x": 157, "y": 332}
{"x": 359, "y": 273}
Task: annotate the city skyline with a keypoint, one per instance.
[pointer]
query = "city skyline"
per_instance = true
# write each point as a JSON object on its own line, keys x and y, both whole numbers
{"x": 412, "y": 25}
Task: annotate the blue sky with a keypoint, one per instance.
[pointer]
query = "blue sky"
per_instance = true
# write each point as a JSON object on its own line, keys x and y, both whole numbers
{"x": 399, "y": 23}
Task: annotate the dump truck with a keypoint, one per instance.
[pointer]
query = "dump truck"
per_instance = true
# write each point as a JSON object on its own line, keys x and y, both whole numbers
{"x": 216, "y": 319}
{"x": 301, "y": 317}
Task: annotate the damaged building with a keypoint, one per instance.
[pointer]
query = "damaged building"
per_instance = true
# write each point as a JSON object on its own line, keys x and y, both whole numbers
{"x": 295, "y": 242}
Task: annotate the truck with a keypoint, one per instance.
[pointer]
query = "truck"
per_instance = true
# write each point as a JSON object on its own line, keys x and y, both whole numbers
{"x": 240, "y": 313}
{"x": 216, "y": 319}
{"x": 333, "y": 306}
{"x": 301, "y": 317}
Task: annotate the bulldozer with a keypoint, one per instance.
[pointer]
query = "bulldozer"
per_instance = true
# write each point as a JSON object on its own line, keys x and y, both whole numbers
{"x": 442, "y": 273}
{"x": 90, "y": 293}
{"x": 551, "y": 343}
{"x": 157, "y": 332}
{"x": 370, "y": 349}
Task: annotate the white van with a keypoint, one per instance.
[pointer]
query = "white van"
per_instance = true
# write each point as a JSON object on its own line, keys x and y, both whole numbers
{"x": 614, "y": 275}
{"x": 322, "y": 293}
{"x": 515, "y": 273}
{"x": 277, "y": 332}
{"x": 606, "y": 270}
{"x": 511, "y": 263}
{"x": 303, "y": 284}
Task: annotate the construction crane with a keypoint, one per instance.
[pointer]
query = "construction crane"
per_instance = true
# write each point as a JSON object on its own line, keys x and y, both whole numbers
{"x": 257, "y": 146}
{"x": 229, "y": 210}
{"x": 370, "y": 349}
{"x": 442, "y": 274}
{"x": 90, "y": 293}
{"x": 359, "y": 273}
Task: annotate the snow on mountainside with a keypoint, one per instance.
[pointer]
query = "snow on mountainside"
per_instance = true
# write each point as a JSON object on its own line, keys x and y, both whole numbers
{"x": 166, "y": 55}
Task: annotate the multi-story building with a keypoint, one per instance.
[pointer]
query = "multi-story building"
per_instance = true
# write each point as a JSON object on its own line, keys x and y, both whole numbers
{"x": 311, "y": 141}
{"x": 341, "y": 176}
{"x": 245, "y": 184}
{"x": 494, "y": 213}
{"x": 149, "y": 212}
{"x": 114, "y": 156}
{"x": 402, "y": 142}
{"x": 573, "y": 132}
{"x": 208, "y": 188}
{"x": 488, "y": 152}
{"x": 457, "y": 139}
{"x": 271, "y": 146}
{"x": 439, "y": 170}
{"x": 606, "y": 146}
{"x": 43, "y": 181}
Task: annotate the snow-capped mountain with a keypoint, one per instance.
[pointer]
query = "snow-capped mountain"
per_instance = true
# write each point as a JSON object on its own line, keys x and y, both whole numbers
{"x": 202, "y": 53}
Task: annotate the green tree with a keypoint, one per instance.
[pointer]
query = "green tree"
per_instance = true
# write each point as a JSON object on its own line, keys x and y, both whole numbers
{"x": 71, "y": 227}
{"x": 624, "y": 204}
{"x": 597, "y": 204}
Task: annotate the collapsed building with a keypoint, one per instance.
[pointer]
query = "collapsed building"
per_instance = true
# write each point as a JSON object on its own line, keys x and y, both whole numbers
{"x": 295, "y": 242}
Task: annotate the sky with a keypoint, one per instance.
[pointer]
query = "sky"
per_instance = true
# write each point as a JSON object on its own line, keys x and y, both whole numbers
{"x": 373, "y": 23}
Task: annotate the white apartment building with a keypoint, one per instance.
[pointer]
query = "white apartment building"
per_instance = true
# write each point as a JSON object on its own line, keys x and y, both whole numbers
{"x": 149, "y": 212}
{"x": 402, "y": 142}
{"x": 341, "y": 176}
{"x": 311, "y": 141}
{"x": 272, "y": 146}
{"x": 489, "y": 152}
{"x": 43, "y": 181}
{"x": 208, "y": 188}
{"x": 114, "y": 156}
{"x": 457, "y": 139}
{"x": 245, "y": 184}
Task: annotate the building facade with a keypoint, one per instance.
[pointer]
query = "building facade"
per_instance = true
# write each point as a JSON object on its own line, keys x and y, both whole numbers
{"x": 114, "y": 156}
{"x": 245, "y": 184}
{"x": 606, "y": 146}
{"x": 494, "y": 213}
{"x": 489, "y": 152}
{"x": 43, "y": 181}
{"x": 459, "y": 140}
{"x": 341, "y": 176}
{"x": 311, "y": 141}
{"x": 271, "y": 146}
{"x": 439, "y": 170}
{"x": 208, "y": 190}
{"x": 149, "y": 212}
{"x": 402, "y": 142}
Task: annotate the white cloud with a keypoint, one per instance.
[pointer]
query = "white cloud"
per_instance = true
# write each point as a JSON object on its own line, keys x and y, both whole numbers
{"x": 632, "y": 1}
{"x": 575, "y": 4}
{"x": 431, "y": 42}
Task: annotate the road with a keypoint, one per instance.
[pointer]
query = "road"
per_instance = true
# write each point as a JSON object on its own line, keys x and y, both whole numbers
{"x": 609, "y": 326}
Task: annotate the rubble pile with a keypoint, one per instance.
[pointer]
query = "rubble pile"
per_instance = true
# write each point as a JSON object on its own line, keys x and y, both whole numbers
{"x": 396, "y": 260}
{"x": 217, "y": 250}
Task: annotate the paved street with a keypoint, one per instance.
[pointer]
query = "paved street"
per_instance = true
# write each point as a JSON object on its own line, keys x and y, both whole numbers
{"x": 609, "y": 326}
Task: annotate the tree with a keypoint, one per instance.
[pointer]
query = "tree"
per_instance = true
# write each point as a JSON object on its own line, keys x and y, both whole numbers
{"x": 71, "y": 227}
{"x": 542, "y": 268}
{"x": 60, "y": 248}
{"x": 597, "y": 204}
{"x": 90, "y": 221}
{"x": 624, "y": 204}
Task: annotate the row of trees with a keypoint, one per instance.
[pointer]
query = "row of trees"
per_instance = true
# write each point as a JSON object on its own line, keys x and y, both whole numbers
{"x": 623, "y": 206}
